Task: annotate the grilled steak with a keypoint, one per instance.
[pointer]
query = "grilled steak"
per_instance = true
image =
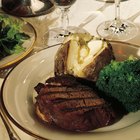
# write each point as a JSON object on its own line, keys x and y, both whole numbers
{"x": 66, "y": 102}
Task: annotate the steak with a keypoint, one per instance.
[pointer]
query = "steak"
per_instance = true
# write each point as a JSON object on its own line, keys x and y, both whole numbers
{"x": 69, "y": 103}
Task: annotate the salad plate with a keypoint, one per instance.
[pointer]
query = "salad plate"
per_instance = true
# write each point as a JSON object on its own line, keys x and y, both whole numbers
{"x": 29, "y": 30}
{"x": 18, "y": 98}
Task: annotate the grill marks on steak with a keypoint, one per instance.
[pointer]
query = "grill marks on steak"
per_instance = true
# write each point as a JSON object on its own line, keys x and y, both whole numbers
{"x": 64, "y": 101}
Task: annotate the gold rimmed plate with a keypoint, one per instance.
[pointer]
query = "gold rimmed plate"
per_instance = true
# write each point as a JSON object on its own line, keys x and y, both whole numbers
{"x": 18, "y": 98}
{"x": 28, "y": 29}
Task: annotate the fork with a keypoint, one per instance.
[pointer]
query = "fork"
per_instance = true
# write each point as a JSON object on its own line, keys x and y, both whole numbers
{"x": 11, "y": 132}
{"x": 93, "y": 16}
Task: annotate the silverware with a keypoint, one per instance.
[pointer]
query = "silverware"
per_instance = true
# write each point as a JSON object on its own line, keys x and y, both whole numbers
{"x": 93, "y": 16}
{"x": 133, "y": 17}
{"x": 37, "y": 49}
{"x": 11, "y": 132}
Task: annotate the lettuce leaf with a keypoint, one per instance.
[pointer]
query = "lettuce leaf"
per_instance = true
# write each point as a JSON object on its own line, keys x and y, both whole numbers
{"x": 11, "y": 37}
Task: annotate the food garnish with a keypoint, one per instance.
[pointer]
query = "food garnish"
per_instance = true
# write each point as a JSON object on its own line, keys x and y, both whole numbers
{"x": 11, "y": 37}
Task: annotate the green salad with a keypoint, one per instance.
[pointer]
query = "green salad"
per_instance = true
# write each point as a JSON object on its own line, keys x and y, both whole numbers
{"x": 11, "y": 37}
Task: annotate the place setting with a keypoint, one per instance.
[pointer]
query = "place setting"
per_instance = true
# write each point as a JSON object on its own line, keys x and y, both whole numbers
{"x": 78, "y": 85}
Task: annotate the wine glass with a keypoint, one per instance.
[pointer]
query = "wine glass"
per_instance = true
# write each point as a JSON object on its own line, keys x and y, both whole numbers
{"x": 57, "y": 35}
{"x": 117, "y": 29}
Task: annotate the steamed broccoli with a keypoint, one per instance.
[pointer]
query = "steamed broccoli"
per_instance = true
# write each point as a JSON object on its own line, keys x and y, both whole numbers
{"x": 121, "y": 80}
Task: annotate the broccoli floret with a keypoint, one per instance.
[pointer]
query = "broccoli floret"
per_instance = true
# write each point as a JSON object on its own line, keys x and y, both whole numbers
{"x": 121, "y": 80}
{"x": 132, "y": 107}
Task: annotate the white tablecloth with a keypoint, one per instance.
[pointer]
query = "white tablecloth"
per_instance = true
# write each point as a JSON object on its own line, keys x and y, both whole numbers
{"x": 78, "y": 13}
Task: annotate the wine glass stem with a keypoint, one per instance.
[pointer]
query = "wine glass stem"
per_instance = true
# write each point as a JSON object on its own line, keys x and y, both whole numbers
{"x": 117, "y": 10}
{"x": 64, "y": 20}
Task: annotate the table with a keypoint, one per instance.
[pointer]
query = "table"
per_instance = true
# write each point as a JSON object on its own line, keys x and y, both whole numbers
{"x": 88, "y": 8}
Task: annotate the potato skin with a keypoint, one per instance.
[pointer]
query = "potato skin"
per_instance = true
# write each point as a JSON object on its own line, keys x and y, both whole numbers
{"x": 60, "y": 67}
{"x": 91, "y": 71}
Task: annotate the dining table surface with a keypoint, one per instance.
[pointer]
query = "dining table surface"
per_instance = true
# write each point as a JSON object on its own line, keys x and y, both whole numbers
{"x": 87, "y": 14}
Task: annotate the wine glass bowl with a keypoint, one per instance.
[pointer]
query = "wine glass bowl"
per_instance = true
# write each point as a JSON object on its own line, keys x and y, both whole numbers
{"x": 66, "y": 3}
{"x": 117, "y": 29}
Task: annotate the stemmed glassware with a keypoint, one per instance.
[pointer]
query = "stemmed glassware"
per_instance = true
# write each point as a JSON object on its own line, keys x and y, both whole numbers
{"x": 117, "y": 29}
{"x": 57, "y": 35}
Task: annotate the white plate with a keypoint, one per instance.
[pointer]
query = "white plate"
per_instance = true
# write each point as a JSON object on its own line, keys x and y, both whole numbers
{"x": 28, "y": 44}
{"x": 18, "y": 99}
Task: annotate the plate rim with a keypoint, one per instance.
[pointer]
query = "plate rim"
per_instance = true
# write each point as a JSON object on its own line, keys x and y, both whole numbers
{"x": 24, "y": 54}
{"x": 33, "y": 134}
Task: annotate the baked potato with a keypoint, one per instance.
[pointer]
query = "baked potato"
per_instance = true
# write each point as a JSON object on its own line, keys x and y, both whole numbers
{"x": 83, "y": 55}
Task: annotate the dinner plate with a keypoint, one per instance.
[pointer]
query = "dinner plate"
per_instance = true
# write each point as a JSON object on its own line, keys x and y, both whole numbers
{"x": 18, "y": 98}
{"x": 28, "y": 44}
